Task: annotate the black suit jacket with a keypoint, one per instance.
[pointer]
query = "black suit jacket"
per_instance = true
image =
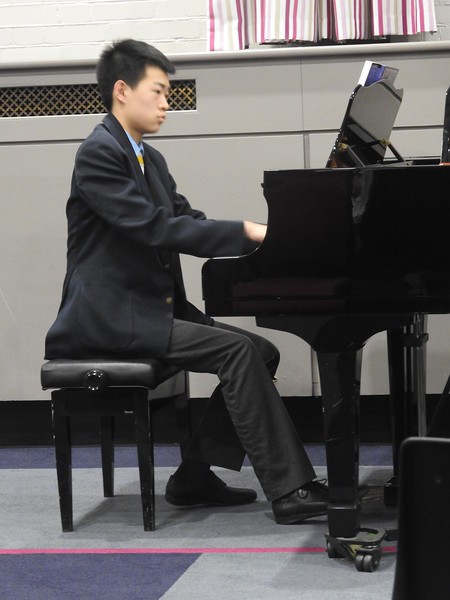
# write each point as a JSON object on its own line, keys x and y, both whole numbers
{"x": 123, "y": 283}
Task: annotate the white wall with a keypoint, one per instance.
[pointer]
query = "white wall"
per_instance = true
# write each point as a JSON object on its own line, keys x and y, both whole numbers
{"x": 78, "y": 29}
{"x": 443, "y": 19}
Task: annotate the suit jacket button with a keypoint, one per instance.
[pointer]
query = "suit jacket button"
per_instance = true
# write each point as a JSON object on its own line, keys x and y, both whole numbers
{"x": 166, "y": 267}
{"x": 169, "y": 300}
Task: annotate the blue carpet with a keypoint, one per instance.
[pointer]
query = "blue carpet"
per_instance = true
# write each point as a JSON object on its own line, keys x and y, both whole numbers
{"x": 90, "y": 577}
{"x": 165, "y": 456}
{"x": 87, "y": 457}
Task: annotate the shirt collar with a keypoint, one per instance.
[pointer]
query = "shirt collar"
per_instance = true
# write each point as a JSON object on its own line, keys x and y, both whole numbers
{"x": 138, "y": 148}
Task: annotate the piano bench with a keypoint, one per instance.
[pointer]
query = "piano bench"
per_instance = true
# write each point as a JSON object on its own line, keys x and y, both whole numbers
{"x": 105, "y": 389}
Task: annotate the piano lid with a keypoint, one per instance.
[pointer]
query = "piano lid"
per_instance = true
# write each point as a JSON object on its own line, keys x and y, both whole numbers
{"x": 367, "y": 125}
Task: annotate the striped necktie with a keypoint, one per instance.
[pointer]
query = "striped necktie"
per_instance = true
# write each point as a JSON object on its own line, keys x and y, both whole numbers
{"x": 140, "y": 158}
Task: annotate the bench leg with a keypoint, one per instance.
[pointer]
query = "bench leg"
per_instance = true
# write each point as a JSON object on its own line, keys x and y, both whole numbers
{"x": 144, "y": 443}
{"x": 107, "y": 449}
{"x": 63, "y": 455}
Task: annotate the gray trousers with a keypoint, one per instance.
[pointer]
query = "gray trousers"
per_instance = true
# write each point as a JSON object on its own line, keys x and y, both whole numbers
{"x": 245, "y": 414}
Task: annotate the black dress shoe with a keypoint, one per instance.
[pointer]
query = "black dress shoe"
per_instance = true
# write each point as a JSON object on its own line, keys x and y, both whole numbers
{"x": 311, "y": 500}
{"x": 212, "y": 491}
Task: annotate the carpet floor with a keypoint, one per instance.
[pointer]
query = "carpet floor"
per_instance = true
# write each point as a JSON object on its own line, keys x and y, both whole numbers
{"x": 202, "y": 553}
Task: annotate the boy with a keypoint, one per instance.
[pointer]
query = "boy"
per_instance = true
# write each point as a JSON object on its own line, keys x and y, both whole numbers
{"x": 123, "y": 295}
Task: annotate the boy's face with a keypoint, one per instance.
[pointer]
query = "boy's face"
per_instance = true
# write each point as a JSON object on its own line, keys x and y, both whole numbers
{"x": 142, "y": 109}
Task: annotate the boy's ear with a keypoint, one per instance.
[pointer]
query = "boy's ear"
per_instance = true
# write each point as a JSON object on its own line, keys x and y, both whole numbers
{"x": 120, "y": 90}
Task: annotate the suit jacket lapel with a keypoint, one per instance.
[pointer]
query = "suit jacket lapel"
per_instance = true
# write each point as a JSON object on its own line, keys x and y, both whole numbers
{"x": 158, "y": 191}
{"x": 117, "y": 131}
{"x": 150, "y": 181}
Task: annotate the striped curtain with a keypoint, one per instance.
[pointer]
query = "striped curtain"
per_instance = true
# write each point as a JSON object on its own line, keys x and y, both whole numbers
{"x": 404, "y": 17}
{"x": 283, "y": 20}
{"x": 233, "y": 24}
{"x": 228, "y": 24}
{"x": 343, "y": 19}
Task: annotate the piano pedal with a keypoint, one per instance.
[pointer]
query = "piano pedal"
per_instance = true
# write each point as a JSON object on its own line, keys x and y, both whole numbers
{"x": 364, "y": 548}
{"x": 391, "y": 491}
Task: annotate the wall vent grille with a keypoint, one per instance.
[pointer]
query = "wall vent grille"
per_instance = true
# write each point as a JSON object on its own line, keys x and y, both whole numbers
{"x": 78, "y": 99}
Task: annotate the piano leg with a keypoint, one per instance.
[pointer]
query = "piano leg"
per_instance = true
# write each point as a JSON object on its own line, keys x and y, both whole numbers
{"x": 340, "y": 376}
{"x": 338, "y": 341}
{"x": 407, "y": 376}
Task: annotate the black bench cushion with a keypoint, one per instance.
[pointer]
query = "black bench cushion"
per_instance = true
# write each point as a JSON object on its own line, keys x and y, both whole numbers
{"x": 67, "y": 373}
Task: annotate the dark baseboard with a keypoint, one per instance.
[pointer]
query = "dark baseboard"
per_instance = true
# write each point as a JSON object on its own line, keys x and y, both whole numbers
{"x": 28, "y": 423}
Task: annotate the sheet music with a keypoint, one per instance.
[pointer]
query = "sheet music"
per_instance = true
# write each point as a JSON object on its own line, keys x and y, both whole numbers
{"x": 373, "y": 72}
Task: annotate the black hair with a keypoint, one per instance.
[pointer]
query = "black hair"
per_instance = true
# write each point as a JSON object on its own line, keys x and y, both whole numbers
{"x": 127, "y": 60}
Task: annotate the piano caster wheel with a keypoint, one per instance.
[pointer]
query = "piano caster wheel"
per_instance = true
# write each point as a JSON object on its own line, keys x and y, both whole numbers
{"x": 368, "y": 561}
{"x": 332, "y": 551}
{"x": 364, "y": 549}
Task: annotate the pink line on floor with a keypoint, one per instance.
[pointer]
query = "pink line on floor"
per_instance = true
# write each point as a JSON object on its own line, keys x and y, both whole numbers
{"x": 311, "y": 550}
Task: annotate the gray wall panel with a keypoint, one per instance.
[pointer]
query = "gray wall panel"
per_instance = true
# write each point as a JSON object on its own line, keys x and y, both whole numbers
{"x": 425, "y": 81}
{"x": 327, "y": 85}
{"x": 241, "y": 98}
{"x": 34, "y": 183}
{"x": 47, "y": 129}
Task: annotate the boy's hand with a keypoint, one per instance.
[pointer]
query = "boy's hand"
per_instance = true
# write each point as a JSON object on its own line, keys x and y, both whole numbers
{"x": 255, "y": 232}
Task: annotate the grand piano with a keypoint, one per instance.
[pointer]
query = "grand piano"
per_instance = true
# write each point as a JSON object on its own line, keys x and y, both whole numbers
{"x": 350, "y": 252}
